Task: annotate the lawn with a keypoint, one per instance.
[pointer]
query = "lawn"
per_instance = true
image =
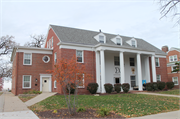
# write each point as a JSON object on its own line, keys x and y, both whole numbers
{"x": 24, "y": 99}
{"x": 172, "y": 92}
{"x": 127, "y": 105}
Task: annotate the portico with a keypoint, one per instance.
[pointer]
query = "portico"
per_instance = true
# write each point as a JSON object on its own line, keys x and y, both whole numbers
{"x": 125, "y": 71}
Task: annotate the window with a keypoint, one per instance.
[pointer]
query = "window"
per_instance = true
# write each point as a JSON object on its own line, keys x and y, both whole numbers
{"x": 118, "y": 41}
{"x": 55, "y": 84}
{"x": 27, "y": 58}
{"x": 133, "y": 43}
{"x": 157, "y": 62}
{"x": 132, "y": 62}
{"x": 133, "y": 81}
{"x": 26, "y": 81}
{"x": 116, "y": 60}
{"x": 79, "y": 55}
{"x": 117, "y": 80}
{"x": 101, "y": 39}
{"x": 46, "y": 59}
{"x": 175, "y": 80}
{"x": 173, "y": 58}
{"x": 80, "y": 78}
{"x": 55, "y": 57}
{"x": 158, "y": 77}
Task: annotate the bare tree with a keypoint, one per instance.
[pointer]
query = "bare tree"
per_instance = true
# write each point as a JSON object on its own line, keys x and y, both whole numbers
{"x": 36, "y": 41}
{"x": 170, "y": 7}
{"x": 6, "y": 44}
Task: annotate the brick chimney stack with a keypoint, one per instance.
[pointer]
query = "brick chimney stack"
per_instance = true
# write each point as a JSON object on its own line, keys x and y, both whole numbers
{"x": 165, "y": 48}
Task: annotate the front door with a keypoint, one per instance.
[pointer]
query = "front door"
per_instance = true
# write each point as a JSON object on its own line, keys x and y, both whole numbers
{"x": 45, "y": 84}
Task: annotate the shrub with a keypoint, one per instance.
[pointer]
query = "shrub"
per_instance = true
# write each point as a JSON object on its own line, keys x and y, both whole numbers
{"x": 149, "y": 87}
{"x": 103, "y": 112}
{"x": 81, "y": 109}
{"x": 92, "y": 87}
{"x": 154, "y": 86}
{"x": 33, "y": 92}
{"x": 125, "y": 87}
{"x": 161, "y": 85}
{"x": 170, "y": 85}
{"x": 117, "y": 87}
{"x": 72, "y": 88}
{"x": 108, "y": 87}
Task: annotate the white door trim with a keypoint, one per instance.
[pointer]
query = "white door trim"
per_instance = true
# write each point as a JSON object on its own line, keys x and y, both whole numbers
{"x": 50, "y": 81}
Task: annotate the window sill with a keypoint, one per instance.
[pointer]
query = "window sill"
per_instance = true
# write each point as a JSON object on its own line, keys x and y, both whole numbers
{"x": 27, "y": 64}
{"x": 26, "y": 88}
{"x": 81, "y": 87}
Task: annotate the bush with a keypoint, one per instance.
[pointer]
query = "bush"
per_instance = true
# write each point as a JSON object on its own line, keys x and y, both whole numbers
{"x": 149, "y": 87}
{"x": 103, "y": 112}
{"x": 72, "y": 88}
{"x": 33, "y": 92}
{"x": 92, "y": 87}
{"x": 125, "y": 87}
{"x": 154, "y": 86}
{"x": 170, "y": 85}
{"x": 161, "y": 85}
{"x": 117, "y": 87}
{"x": 108, "y": 87}
{"x": 81, "y": 109}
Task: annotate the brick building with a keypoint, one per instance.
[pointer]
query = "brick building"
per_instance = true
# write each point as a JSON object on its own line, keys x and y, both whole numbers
{"x": 173, "y": 56}
{"x": 109, "y": 58}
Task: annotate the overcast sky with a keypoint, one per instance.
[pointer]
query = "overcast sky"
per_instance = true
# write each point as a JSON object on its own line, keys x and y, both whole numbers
{"x": 140, "y": 19}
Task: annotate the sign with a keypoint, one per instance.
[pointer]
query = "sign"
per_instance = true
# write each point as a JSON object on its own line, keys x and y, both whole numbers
{"x": 117, "y": 70}
{"x": 143, "y": 81}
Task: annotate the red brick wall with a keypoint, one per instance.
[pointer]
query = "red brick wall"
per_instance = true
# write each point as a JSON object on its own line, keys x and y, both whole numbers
{"x": 14, "y": 73}
{"x": 162, "y": 70}
{"x": 38, "y": 67}
{"x": 174, "y": 52}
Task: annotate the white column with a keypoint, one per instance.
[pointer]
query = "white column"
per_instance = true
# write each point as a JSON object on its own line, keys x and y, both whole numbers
{"x": 102, "y": 71}
{"x": 139, "y": 72}
{"x": 153, "y": 68}
{"x": 147, "y": 69}
{"x": 121, "y": 58}
{"x": 98, "y": 71}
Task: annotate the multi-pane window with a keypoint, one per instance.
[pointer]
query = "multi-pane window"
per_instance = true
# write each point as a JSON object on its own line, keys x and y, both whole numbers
{"x": 79, "y": 55}
{"x": 173, "y": 68}
{"x": 117, "y": 80}
{"x": 173, "y": 58}
{"x": 157, "y": 62}
{"x": 175, "y": 80}
{"x": 158, "y": 77}
{"x": 116, "y": 60}
{"x": 26, "y": 81}
{"x": 101, "y": 39}
{"x": 80, "y": 78}
{"x": 55, "y": 84}
{"x": 118, "y": 41}
{"x": 132, "y": 63}
{"x": 27, "y": 58}
{"x": 133, "y": 43}
{"x": 55, "y": 57}
{"x": 133, "y": 81}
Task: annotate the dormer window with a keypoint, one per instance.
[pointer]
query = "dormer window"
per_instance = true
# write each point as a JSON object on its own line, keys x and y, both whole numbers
{"x": 133, "y": 43}
{"x": 101, "y": 39}
{"x": 118, "y": 41}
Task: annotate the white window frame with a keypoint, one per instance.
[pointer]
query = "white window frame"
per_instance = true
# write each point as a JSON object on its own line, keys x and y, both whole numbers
{"x": 30, "y": 59}
{"x": 100, "y": 39}
{"x": 119, "y": 41}
{"x": 82, "y": 56}
{"x": 48, "y": 58}
{"x": 172, "y": 69}
{"x": 130, "y": 61}
{"x": 173, "y": 58}
{"x": 55, "y": 57}
{"x": 134, "y": 43}
{"x": 83, "y": 83}
{"x": 177, "y": 80}
{"x": 158, "y": 62}
{"x": 133, "y": 80}
{"x": 157, "y": 77}
{"x": 55, "y": 84}
{"x": 114, "y": 61}
{"x": 23, "y": 82}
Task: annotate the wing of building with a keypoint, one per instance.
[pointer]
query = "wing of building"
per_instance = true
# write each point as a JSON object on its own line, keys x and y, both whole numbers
{"x": 109, "y": 58}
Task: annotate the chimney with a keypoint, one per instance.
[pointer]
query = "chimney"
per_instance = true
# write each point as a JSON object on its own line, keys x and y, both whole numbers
{"x": 165, "y": 48}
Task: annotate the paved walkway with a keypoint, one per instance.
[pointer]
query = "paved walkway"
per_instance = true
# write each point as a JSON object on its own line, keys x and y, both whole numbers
{"x": 157, "y": 94}
{"x": 167, "y": 115}
{"x": 11, "y": 107}
{"x": 39, "y": 98}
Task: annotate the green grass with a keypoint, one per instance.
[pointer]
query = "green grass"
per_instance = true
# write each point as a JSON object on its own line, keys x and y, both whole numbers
{"x": 128, "y": 105}
{"x": 24, "y": 99}
{"x": 172, "y": 92}
{"x": 1, "y": 93}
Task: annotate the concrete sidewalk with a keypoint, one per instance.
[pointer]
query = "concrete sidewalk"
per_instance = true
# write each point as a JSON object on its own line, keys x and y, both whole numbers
{"x": 167, "y": 115}
{"x": 39, "y": 98}
{"x": 157, "y": 94}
